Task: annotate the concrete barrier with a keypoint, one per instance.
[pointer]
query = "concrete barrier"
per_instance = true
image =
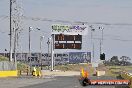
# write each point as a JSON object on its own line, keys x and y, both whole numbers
{"x": 100, "y": 73}
{"x": 8, "y": 73}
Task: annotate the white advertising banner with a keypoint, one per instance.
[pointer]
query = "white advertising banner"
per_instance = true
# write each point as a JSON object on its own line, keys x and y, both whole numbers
{"x": 69, "y": 29}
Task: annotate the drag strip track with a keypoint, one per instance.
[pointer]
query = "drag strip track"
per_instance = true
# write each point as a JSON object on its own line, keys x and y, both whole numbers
{"x": 68, "y": 82}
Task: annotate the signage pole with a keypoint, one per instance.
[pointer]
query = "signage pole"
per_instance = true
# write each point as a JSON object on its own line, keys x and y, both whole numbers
{"x": 52, "y": 52}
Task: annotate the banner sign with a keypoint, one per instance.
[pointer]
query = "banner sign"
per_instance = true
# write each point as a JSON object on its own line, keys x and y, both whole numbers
{"x": 79, "y": 57}
{"x": 69, "y": 29}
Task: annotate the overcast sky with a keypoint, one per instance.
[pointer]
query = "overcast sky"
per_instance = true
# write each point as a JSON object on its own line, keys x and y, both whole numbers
{"x": 117, "y": 38}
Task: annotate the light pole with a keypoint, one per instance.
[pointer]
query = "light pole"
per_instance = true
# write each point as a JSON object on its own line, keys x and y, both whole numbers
{"x": 92, "y": 30}
{"x": 101, "y": 40}
{"x": 48, "y": 42}
{"x": 30, "y": 29}
{"x": 41, "y": 38}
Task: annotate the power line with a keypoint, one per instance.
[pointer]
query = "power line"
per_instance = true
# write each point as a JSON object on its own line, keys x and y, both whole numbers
{"x": 3, "y": 17}
{"x": 70, "y": 22}
{"x": 79, "y": 22}
{"x": 118, "y": 39}
{"x": 3, "y": 32}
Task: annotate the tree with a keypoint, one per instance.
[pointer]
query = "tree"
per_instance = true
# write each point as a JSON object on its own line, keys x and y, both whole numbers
{"x": 114, "y": 60}
{"x": 125, "y": 60}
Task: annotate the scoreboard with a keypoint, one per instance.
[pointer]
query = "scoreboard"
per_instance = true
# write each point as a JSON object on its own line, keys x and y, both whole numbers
{"x": 68, "y": 45}
{"x": 70, "y": 41}
{"x": 62, "y": 37}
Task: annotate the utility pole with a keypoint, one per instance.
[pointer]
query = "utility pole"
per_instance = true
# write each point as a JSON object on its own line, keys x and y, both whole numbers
{"x": 11, "y": 30}
{"x": 41, "y": 38}
{"x": 48, "y": 42}
{"x": 92, "y": 30}
{"x": 101, "y": 40}
{"x": 100, "y": 48}
{"x": 30, "y": 46}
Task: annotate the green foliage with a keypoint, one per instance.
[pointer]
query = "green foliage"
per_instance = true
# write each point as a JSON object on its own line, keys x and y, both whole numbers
{"x": 125, "y": 61}
{"x": 2, "y": 58}
{"x": 22, "y": 66}
{"x": 115, "y": 70}
{"x": 114, "y": 61}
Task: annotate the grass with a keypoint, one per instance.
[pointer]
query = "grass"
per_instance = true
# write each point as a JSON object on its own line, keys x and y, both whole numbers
{"x": 75, "y": 67}
{"x": 115, "y": 70}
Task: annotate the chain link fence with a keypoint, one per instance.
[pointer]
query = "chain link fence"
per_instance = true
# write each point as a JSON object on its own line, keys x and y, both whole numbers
{"x": 7, "y": 66}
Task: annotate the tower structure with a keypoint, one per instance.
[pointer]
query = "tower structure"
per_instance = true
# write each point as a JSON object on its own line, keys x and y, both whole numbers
{"x": 15, "y": 26}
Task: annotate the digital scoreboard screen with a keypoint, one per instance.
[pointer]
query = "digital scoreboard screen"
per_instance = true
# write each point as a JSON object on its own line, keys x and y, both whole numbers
{"x": 60, "y": 45}
{"x": 68, "y": 45}
{"x": 68, "y": 41}
{"x": 62, "y": 37}
{"x": 74, "y": 45}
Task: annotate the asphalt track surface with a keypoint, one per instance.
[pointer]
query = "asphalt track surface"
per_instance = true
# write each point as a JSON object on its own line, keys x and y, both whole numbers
{"x": 69, "y": 82}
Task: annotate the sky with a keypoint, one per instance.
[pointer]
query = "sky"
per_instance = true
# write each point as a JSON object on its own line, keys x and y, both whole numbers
{"x": 117, "y": 38}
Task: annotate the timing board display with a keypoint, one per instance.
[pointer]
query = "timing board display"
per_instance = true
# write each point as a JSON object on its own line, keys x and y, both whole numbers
{"x": 62, "y": 37}
{"x": 68, "y": 41}
{"x": 68, "y": 45}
